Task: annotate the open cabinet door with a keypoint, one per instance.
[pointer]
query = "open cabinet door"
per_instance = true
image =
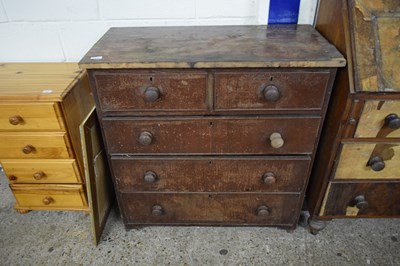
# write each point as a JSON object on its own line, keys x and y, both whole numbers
{"x": 99, "y": 185}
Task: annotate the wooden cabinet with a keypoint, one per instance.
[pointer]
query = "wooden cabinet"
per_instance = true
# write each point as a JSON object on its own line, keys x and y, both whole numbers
{"x": 357, "y": 169}
{"x": 212, "y": 125}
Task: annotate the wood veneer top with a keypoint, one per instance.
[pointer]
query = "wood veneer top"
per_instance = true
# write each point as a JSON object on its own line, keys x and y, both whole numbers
{"x": 212, "y": 47}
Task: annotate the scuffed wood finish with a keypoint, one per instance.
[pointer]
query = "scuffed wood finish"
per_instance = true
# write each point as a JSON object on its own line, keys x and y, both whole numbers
{"x": 212, "y": 47}
{"x": 221, "y": 208}
{"x": 360, "y": 153}
{"x": 211, "y": 174}
{"x": 59, "y": 171}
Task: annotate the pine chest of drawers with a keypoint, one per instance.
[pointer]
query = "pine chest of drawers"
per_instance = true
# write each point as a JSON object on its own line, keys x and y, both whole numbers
{"x": 211, "y": 125}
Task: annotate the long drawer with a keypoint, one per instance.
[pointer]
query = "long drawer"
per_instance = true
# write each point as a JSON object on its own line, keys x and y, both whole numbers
{"x": 205, "y": 174}
{"x": 196, "y": 135}
{"x": 169, "y": 208}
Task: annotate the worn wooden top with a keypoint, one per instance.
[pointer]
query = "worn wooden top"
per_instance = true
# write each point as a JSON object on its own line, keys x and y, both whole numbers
{"x": 212, "y": 47}
{"x": 37, "y": 81}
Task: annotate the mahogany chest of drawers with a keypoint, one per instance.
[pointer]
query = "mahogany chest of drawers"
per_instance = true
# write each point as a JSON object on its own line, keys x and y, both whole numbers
{"x": 211, "y": 125}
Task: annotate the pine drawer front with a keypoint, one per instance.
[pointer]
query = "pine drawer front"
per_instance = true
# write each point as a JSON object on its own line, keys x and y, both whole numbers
{"x": 194, "y": 135}
{"x": 210, "y": 174}
{"x": 369, "y": 161}
{"x": 41, "y": 170}
{"x": 362, "y": 199}
{"x": 156, "y": 92}
{"x": 51, "y": 145}
{"x": 30, "y": 117}
{"x": 379, "y": 119}
{"x": 48, "y": 197}
{"x": 169, "y": 208}
{"x": 270, "y": 90}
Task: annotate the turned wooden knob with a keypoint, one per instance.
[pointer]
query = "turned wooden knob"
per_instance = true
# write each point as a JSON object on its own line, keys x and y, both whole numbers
{"x": 271, "y": 93}
{"x": 269, "y": 178}
{"x": 145, "y": 138}
{"x": 12, "y": 177}
{"x": 47, "y": 200}
{"x": 150, "y": 177}
{"x": 276, "y": 140}
{"x": 39, "y": 175}
{"x": 263, "y": 211}
{"x": 15, "y": 120}
{"x": 376, "y": 163}
{"x": 360, "y": 202}
{"x": 157, "y": 210}
{"x": 28, "y": 149}
{"x": 392, "y": 121}
{"x": 151, "y": 94}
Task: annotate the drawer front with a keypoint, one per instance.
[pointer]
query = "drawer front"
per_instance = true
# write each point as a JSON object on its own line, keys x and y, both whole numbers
{"x": 213, "y": 135}
{"x": 152, "y": 91}
{"x": 49, "y": 196}
{"x": 270, "y": 90}
{"x": 369, "y": 161}
{"x": 379, "y": 119}
{"x": 168, "y": 208}
{"x": 362, "y": 199}
{"x": 29, "y": 117}
{"x": 212, "y": 174}
{"x": 41, "y": 170}
{"x": 33, "y": 145}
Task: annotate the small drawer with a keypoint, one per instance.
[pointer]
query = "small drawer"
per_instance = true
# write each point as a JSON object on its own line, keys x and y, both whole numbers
{"x": 270, "y": 90}
{"x": 44, "y": 145}
{"x": 197, "y": 135}
{"x": 250, "y": 209}
{"x": 368, "y": 161}
{"x": 152, "y": 92}
{"x": 362, "y": 199}
{"x": 210, "y": 174}
{"x": 379, "y": 119}
{"x": 30, "y": 117}
{"x": 41, "y": 170}
{"x": 49, "y": 197}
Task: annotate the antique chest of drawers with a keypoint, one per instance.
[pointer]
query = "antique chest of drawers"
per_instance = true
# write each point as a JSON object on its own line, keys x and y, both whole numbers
{"x": 41, "y": 108}
{"x": 211, "y": 125}
{"x": 357, "y": 170}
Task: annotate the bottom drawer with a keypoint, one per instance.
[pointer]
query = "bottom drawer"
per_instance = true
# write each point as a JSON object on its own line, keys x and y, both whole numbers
{"x": 49, "y": 197}
{"x": 361, "y": 199}
{"x": 196, "y": 208}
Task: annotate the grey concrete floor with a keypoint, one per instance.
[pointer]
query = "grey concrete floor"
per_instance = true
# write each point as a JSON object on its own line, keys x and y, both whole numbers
{"x": 65, "y": 238}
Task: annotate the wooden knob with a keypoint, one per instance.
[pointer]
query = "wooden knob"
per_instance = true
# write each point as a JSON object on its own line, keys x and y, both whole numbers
{"x": 392, "y": 121}
{"x": 376, "y": 163}
{"x": 150, "y": 177}
{"x": 276, "y": 140}
{"x": 151, "y": 94}
{"x": 263, "y": 211}
{"x": 360, "y": 202}
{"x": 15, "y": 120}
{"x": 157, "y": 210}
{"x": 12, "y": 177}
{"x": 145, "y": 138}
{"x": 271, "y": 93}
{"x": 269, "y": 178}
{"x": 28, "y": 149}
{"x": 47, "y": 200}
{"x": 39, "y": 175}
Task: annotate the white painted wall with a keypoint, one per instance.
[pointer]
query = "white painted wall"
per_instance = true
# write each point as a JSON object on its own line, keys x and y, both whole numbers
{"x": 63, "y": 30}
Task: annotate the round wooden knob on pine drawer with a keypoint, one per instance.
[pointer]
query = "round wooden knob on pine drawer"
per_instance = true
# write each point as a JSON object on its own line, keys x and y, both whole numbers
{"x": 39, "y": 175}
{"x": 361, "y": 202}
{"x": 392, "y": 121}
{"x": 145, "y": 138}
{"x": 276, "y": 140}
{"x": 271, "y": 93}
{"x": 12, "y": 178}
{"x": 15, "y": 120}
{"x": 376, "y": 163}
{"x": 48, "y": 200}
{"x": 152, "y": 94}
{"x": 28, "y": 149}
{"x": 263, "y": 211}
{"x": 269, "y": 178}
{"x": 157, "y": 210}
{"x": 150, "y": 177}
